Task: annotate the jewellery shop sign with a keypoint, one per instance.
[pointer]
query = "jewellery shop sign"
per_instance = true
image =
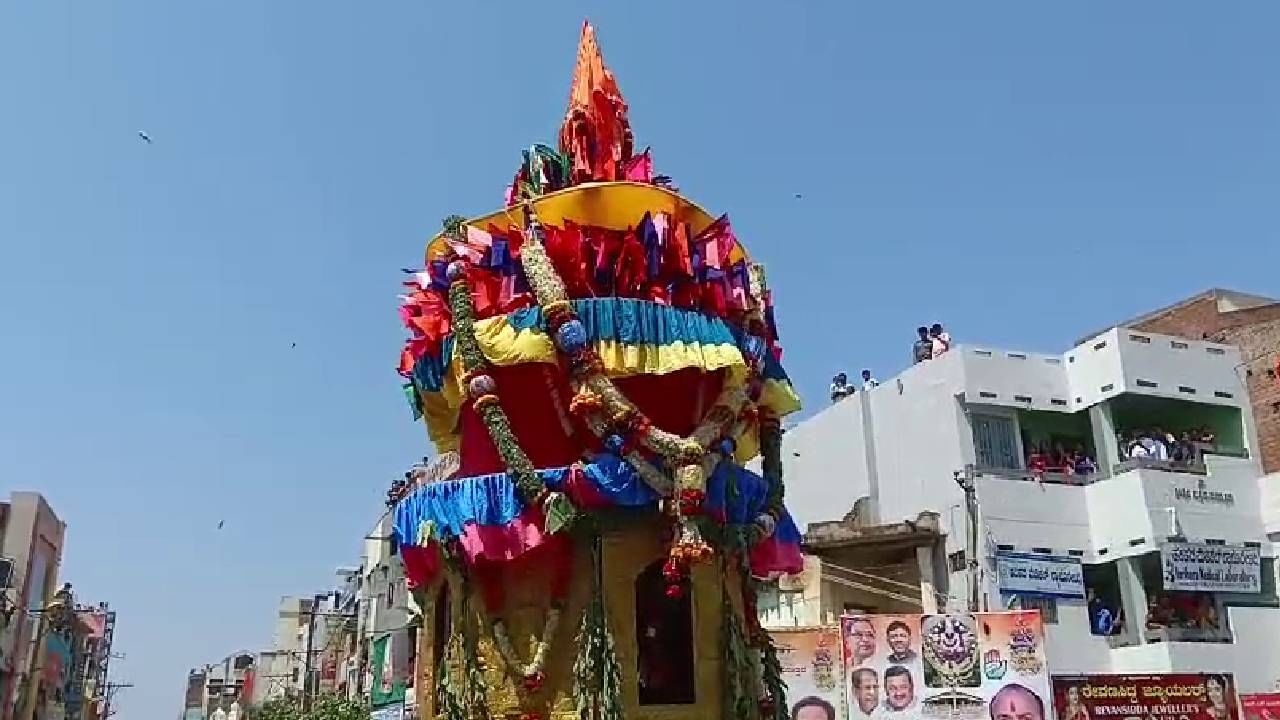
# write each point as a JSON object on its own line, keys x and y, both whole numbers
{"x": 1200, "y": 567}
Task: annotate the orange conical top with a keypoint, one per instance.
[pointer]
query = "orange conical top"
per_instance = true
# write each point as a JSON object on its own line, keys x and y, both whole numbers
{"x": 596, "y": 133}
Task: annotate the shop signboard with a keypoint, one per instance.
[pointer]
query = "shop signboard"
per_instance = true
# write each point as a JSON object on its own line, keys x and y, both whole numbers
{"x": 962, "y": 666}
{"x": 812, "y": 668}
{"x": 1260, "y": 706}
{"x": 1040, "y": 575}
{"x": 1181, "y": 696}
{"x": 1201, "y": 567}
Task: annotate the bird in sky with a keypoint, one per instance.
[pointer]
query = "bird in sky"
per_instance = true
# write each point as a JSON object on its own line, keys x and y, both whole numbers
{"x": 798, "y": 196}
{"x": 145, "y": 137}
{"x": 294, "y": 345}
{"x": 221, "y": 523}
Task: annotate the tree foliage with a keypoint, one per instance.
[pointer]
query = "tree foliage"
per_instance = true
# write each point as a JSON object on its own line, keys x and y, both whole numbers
{"x": 323, "y": 707}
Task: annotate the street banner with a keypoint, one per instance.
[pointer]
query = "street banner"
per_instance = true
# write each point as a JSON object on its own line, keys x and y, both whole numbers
{"x": 961, "y": 666}
{"x": 388, "y": 689}
{"x": 1183, "y": 696}
{"x": 1260, "y": 706}
{"x": 1200, "y": 567}
{"x": 811, "y": 667}
{"x": 1040, "y": 575}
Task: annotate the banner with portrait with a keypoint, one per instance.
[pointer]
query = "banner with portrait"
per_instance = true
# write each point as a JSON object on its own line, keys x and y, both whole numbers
{"x": 963, "y": 666}
{"x": 811, "y": 666}
{"x": 1178, "y": 696}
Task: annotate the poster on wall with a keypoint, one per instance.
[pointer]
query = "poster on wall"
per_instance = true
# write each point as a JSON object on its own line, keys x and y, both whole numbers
{"x": 963, "y": 666}
{"x": 811, "y": 667}
{"x": 1183, "y": 696}
{"x": 1260, "y": 706}
{"x": 1200, "y": 567}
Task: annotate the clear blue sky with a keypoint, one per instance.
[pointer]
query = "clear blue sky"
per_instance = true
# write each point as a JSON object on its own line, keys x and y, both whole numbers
{"x": 1024, "y": 172}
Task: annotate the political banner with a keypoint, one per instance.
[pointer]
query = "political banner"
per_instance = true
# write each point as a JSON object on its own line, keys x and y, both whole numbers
{"x": 1040, "y": 575}
{"x": 812, "y": 668}
{"x": 962, "y": 666}
{"x": 1260, "y": 706}
{"x": 1200, "y": 567}
{"x": 1183, "y": 696}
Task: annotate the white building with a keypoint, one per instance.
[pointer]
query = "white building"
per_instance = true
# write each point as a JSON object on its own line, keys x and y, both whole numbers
{"x": 388, "y": 613}
{"x": 973, "y": 415}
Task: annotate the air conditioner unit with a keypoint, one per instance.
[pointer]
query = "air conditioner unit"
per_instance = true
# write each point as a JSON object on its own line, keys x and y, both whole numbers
{"x": 6, "y": 573}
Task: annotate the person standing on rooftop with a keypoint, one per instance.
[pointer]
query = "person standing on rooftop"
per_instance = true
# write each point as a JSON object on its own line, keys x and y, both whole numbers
{"x": 923, "y": 348}
{"x": 940, "y": 339}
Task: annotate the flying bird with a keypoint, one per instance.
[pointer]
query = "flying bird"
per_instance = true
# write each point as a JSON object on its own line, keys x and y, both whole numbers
{"x": 221, "y": 523}
{"x": 798, "y": 196}
{"x": 145, "y": 137}
{"x": 294, "y": 345}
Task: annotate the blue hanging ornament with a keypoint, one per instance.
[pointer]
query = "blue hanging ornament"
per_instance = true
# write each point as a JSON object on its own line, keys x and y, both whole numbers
{"x": 571, "y": 336}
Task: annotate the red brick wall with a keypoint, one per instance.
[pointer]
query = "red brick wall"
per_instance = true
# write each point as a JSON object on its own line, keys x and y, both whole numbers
{"x": 1257, "y": 333}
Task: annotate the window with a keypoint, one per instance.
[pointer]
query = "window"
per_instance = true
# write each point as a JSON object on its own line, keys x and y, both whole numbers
{"x": 664, "y": 638}
{"x": 995, "y": 442}
{"x": 1047, "y": 606}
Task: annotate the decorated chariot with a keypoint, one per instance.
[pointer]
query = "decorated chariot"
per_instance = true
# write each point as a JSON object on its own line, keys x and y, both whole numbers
{"x": 601, "y": 356}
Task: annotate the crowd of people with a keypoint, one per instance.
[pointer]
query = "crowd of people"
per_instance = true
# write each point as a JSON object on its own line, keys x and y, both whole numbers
{"x": 1157, "y": 444}
{"x": 841, "y": 389}
{"x": 931, "y": 342}
{"x": 1060, "y": 460}
{"x": 1185, "y": 611}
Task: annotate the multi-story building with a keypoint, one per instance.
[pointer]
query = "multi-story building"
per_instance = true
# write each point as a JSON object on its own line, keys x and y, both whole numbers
{"x": 228, "y": 686}
{"x": 31, "y": 539}
{"x": 87, "y": 691}
{"x": 1175, "y": 555}
{"x": 388, "y": 623}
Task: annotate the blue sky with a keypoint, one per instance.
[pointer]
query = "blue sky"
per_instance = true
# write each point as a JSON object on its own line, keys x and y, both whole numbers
{"x": 1023, "y": 172}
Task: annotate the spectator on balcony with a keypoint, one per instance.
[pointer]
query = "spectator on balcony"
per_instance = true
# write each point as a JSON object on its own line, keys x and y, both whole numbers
{"x": 923, "y": 348}
{"x": 1037, "y": 461}
{"x": 868, "y": 381}
{"x": 840, "y": 387}
{"x": 1160, "y": 613}
{"x": 1102, "y": 619}
{"x": 1085, "y": 465}
{"x": 1184, "y": 451}
{"x": 939, "y": 339}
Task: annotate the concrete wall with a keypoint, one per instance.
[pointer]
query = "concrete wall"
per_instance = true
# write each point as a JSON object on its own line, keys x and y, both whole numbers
{"x": 1106, "y": 518}
{"x": 824, "y": 462}
{"x": 921, "y": 439}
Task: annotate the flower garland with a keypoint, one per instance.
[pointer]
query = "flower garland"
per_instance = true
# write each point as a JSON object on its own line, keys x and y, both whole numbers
{"x": 483, "y": 390}
{"x": 532, "y": 674}
{"x": 614, "y": 418}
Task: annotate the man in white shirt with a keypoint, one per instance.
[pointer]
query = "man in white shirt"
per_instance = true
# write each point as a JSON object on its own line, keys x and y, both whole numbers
{"x": 840, "y": 387}
{"x": 868, "y": 381}
{"x": 940, "y": 338}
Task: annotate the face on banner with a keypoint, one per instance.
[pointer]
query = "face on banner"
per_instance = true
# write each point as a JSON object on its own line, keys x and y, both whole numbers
{"x": 1145, "y": 697}
{"x": 970, "y": 666}
{"x": 810, "y": 660}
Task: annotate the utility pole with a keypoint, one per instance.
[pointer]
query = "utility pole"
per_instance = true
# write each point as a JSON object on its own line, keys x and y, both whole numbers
{"x": 108, "y": 694}
{"x": 964, "y": 478}
{"x": 306, "y": 664}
